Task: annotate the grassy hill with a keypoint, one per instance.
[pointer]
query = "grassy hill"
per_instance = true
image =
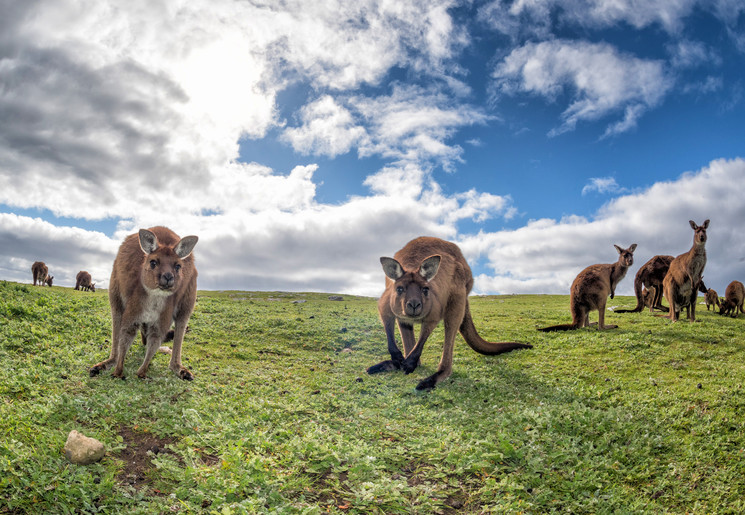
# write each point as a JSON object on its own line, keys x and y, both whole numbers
{"x": 282, "y": 418}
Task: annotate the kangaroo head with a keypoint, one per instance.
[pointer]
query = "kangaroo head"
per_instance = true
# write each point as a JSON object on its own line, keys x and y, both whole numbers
{"x": 49, "y": 280}
{"x": 93, "y": 286}
{"x": 626, "y": 256}
{"x": 699, "y": 232}
{"x": 161, "y": 266}
{"x": 410, "y": 295}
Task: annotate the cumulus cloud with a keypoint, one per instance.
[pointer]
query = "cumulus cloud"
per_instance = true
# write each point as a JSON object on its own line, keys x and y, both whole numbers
{"x": 546, "y": 255}
{"x": 601, "y": 80}
{"x": 601, "y": 185}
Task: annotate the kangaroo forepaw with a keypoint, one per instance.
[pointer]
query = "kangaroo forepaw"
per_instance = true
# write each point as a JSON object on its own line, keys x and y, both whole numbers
{"x": 409, "y": 366}
{"x": 383, "y": 366}
{"x": 427, "y": 384}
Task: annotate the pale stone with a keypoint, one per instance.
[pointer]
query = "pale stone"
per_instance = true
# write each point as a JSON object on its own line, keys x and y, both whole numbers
{"x": 82, "y": 450}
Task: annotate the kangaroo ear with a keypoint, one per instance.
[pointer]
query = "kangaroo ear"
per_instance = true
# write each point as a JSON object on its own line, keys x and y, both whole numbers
{"x": 618, "y": 249}
{"x": 148, "y": 241}
{"x": 185, "y": 246}
{"x": 693, "y": 224}
{"x": 429, "y": 267}
{"x": 706, "y": 224}
{"x": 392, "y": 268}
{"x": 632, "y": 248}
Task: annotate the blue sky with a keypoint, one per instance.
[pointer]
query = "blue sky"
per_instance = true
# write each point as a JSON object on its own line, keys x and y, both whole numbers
{"x": 301, "y": 141}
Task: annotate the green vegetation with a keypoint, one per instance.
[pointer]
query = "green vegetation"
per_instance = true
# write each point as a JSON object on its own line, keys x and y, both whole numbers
{"x": 282, "y": 417}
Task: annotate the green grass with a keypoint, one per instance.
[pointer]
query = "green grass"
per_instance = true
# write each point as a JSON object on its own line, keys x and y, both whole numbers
{"x": 282, "y": 418}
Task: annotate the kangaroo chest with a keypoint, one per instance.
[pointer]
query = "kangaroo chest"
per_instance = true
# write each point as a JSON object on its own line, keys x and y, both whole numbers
{"x": 153, "y": 305}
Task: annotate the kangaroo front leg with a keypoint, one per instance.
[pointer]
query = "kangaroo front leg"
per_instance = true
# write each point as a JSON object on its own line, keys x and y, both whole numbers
{"x": 396, "y": 357}
{"x": 126, "y": 335}
{"x": 152, "y": 339}
{"x": 178, "y": 339}
{"x": 445, "y": 368}
{"x": 412, "y": 359}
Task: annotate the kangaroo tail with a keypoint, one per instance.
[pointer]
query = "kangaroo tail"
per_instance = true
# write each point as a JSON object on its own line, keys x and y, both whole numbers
{"x": 477, "y": 343}
{"x": 639, "y": 298}
{"x": 561, "y": 327}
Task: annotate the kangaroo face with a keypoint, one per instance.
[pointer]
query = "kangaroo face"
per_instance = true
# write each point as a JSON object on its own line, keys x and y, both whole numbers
{"x": 699, "y": 232}
{"x": 410, "y": 296}
{"x": 626, "y": 256}
{"x": 161, "y": 267}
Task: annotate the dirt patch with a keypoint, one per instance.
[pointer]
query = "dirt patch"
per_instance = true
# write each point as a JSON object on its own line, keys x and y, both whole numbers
{"x": 137, "y": 456}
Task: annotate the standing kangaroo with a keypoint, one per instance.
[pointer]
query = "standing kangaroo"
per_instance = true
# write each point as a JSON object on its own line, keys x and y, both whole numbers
{"x": 590, "y": 290}
{"x": 734, "y": 296}
{"x": 40, "y": 272}
{"x": 650, "y": 275}
{"x": 427, "y": 281}
{"x": 154, "y": 282}
{"x": 681, "y": 284}
{"x": 83, "y": 281}
{"x": 712, "y": 299}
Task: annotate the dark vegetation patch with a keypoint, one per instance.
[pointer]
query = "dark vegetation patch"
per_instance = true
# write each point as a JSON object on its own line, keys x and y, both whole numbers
{"x": 139, "y": 450}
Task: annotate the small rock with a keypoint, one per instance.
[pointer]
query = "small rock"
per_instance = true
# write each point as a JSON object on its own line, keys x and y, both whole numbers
{"x": 699, "y": 386}
{"x": 359, "y": 379}
{"x": 336, "y": 297}
{"x": 299, "y": 301}
{"x": 82, "y": 450}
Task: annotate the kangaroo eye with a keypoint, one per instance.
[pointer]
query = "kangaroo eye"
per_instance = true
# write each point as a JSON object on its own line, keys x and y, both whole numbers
{"x": 399, "y": 289}
{"x": 425, "y": 291}
{"x": 153, "y": 264}
{"x": 177, "y": 267}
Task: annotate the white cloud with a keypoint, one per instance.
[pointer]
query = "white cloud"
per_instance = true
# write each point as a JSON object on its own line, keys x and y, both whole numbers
{"x": 546, "y": 255}
{"x": 601, "y": 185}
{"x": 600, "y": 80}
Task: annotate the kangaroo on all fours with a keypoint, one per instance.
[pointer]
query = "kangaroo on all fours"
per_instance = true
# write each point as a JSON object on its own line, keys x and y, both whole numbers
{"x": 41, "y": 274}
{"x": 590, "y": 290}
{"x": 734, "y": 296}
{"x": 428, "y": 281}
{"x": 83, "y": 281}
{"x": 650, "y": 276}
{"x": 681, "y": 284}
{"x": 154, "y": 282}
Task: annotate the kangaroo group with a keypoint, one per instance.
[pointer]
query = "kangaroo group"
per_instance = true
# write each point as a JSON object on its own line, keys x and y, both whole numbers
{"x": 153, "y": 285}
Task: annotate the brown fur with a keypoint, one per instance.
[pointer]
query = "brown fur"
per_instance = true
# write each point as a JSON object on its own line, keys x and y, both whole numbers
{"x": 83, "y": 281}
{"x": 650, "y": 276}
{"x": 590, "y": 290}
{"x": 734, "y": 296}
{"x": 428, "y": 281}
{"x": 681, "y": 284}
{"x": 153, "y": 282}
{"x": 712, "y": 299}
{"x": 40, "y": 273}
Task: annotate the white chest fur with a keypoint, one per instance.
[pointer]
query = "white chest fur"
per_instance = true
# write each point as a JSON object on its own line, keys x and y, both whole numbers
{"x": 155, "y": 303}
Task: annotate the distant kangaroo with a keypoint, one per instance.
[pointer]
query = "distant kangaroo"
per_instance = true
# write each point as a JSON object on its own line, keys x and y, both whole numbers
{"x": 83, "y": 281}
{"x": 734, "y": 296}
{"x": 40, "y": 273}
{"x": 590, "y": 290}
{"x": 650, "y": 276}
{"x": 712, "y": 299}
{"x": 427, "y": 281}
{"x": 681, "y": 284}
{"x": 154, "y": 282}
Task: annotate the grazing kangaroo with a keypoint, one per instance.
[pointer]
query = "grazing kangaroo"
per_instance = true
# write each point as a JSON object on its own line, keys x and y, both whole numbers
{"x": 153, "y": 282}
{"x": 590, "y": 290}
{"x": 681, "y": 284}
{"x": 427, "y": 281}
{"x": 40, "y": 273}
{"x": 712, "y": 299}
{"x": 83, "y": 281}
{"x": 734, "y": 296}
{"x": 650, "y": 276}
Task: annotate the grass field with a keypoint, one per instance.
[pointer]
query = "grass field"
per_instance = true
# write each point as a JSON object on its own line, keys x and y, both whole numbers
{"x": 282, "y": 418}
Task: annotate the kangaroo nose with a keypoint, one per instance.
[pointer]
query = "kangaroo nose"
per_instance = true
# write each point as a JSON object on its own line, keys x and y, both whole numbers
{"x": 166, "y": 279}
{"x": 413, "y": 306}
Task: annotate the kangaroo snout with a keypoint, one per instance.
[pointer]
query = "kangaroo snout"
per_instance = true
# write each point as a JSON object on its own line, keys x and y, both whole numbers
{"x": 413, "y": 307}
{"x": 166, "y": 280}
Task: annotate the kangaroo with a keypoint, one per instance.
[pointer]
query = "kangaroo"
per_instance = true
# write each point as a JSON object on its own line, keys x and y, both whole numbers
{"x": 734, "y": 296}
{"x": 83, "y": 281}
{"x": 681, "y": 284}
{"x": 428, "y": 281}
{"x": 650, "y": 276}
{"x": 590, "y": 290}
{"x": 40, "y": 273}
{"x": 712, "y": 299}
{"x": 153, "y": 282}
